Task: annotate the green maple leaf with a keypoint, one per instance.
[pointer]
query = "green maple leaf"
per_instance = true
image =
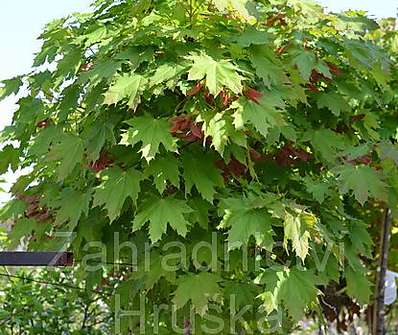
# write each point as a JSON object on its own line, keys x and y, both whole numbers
{"x": 267, "y": 66}
{"x": 151, "y": 133}
{"x": 11, "y": 86}
{"x": 371, "y": 124}
{"x": 200, "y": 214}
{"x": 358, "y": 286}
{"x": 269, "y": 279}
{"x": 217, "y": 128}
{"x": 44, "y": 139}
{"x": 333, "y": 101}
{"x": 360, "y": 238}
{"x": 247, "y": 217}
{"x": 101, "y": 70}
{"x": 358, "y": 151}
{"x": 296, "y": 230}
{"x": 296, "y": 289}
{"x": 327, "y": 263}
{"x": 252, "y": 36}
{"x": 69, "y": 152}
{"x": 328, "y": 144}
{"x": 263, "y": 117}
{"x": 12, "y": 209}
{"x": 73, "y": 204}
{"x": 70, "y": 102}
{"x": 200, "y": 289}
{"x": 388, "y": 150}
{"x": 166, "y": 72}
{"x": 246, "y": 221}
{"x": 96, "y": 36}
{"x": 362, "y": 54}
{"x": 160, "y": 212}
{"x": 220, "y": 129}
{"x": 71, "y": 61}
{"x": 218, "y": 74}
{"x": 126, "y": 87}
{"x": 306, "y": 62}
{"x": 163, "y": 170}
{"x": 24, "y": 227}
{"x": 9, "y": 156}
{"x": 256, "y": 223}
{"x": 200, "y": 171}
{"x": 351, "y": 254}
{"x": 156, "y": 271}
{"x": 243, "y": 7}
{"x": 363, "y": 181}
{"x": 95, "y": 138}
{"x": 21, "y": 228}
{"x": 117, "y": 185}
{"x": 319, "y": 190}
{"x": 241, "y": 292}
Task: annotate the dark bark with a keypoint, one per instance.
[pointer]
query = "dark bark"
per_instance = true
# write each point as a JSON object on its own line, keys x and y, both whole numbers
{"x": 187, "y": 327}
{"x": 379, "y": 312}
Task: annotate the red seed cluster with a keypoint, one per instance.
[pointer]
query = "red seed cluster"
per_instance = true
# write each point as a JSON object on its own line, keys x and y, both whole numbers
{"x": 289, "y": 156}
{"x": 184, "y": 128}
{"x": 195, "y": 90}
{"x": 253, "y": 95}
{"x": 43, "y": 123}
{"x": 34, "y": 209}
{"x": 102, "y": 162}
{"x": 232, "y": 168}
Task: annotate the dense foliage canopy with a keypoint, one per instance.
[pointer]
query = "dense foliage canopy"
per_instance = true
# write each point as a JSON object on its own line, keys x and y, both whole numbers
{"x": 244, "y": 150}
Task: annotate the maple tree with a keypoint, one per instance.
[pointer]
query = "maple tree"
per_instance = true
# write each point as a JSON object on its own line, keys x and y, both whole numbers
{"x": 267, "y": 126}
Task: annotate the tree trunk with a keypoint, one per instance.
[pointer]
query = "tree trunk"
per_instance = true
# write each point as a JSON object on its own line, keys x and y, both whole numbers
{"x": 187, "y": 327}
{"x": 379, "y": 313}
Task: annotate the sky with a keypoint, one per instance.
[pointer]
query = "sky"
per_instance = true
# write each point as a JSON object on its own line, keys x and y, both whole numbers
{"x": 375, "y": 8}
{"x": 21, "y": 22}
